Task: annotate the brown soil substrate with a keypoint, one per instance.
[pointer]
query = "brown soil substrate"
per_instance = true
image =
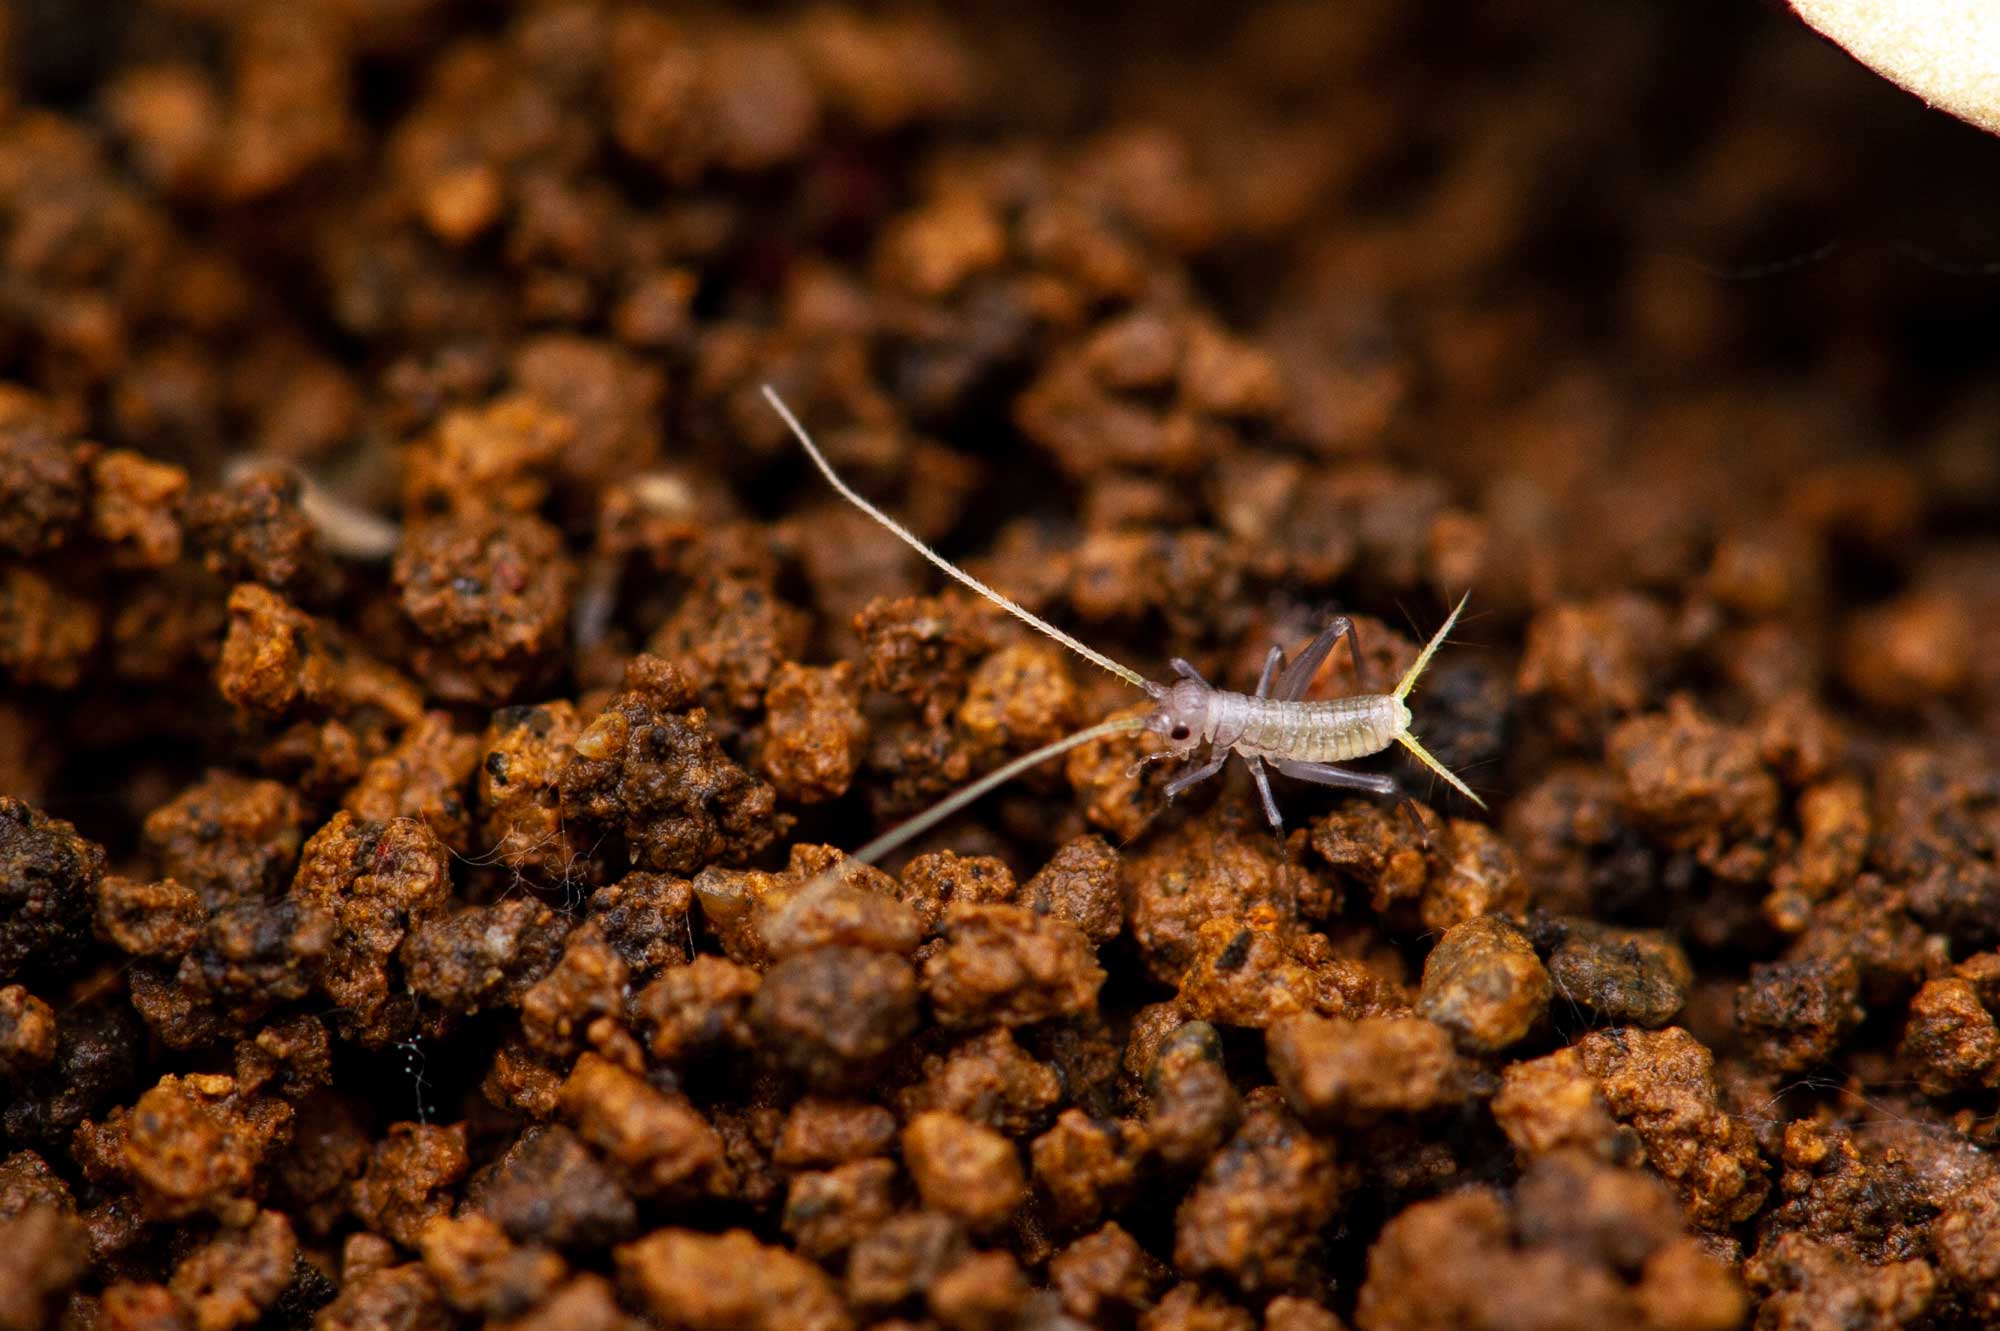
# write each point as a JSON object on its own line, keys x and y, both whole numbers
{"x": 429, "y": 674}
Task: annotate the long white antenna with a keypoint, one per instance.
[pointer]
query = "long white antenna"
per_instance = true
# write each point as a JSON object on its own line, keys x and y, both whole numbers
{"x": 1095, "y": 657}
{"x": 948, "y": 806}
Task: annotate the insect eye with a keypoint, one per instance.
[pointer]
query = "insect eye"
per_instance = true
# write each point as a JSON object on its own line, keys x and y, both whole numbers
{"x": 1180, "y": 732}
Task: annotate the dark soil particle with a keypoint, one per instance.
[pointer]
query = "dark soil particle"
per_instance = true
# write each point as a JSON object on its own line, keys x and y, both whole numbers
{"x": 434, "y": 689}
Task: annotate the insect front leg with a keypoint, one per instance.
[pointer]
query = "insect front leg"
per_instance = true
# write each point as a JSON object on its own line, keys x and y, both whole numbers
{"x": 1198, "y": 775}
{"x": 1181, "y": 666}
{"x": 1263, "y": 781}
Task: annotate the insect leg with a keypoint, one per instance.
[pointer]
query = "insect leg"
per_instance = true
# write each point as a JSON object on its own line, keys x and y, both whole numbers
{"x": 1198, "y": 775}
{"x": 1325, "y": 774}
{"x": 1299, "y": 674}
{"x": 1272, "y": 664}
{"x": 1180, "y": 666}
{"x": 1263, "y": 781}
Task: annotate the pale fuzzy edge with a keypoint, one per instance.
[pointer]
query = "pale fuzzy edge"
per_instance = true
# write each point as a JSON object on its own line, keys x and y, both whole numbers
{"x": 1945, "y": 51}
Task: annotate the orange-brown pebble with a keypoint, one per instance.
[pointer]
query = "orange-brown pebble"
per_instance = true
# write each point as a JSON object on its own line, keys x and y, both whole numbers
{"x": 549, "y": 1188}
{"x": 1951, "y": 1039}
{"x": 500, "y": 456}
{"x": 1244, "y": 975}
{"x": 985, "y": 1292}
{"x": 931, "y": 884}
{"x": 157, "y": 919}
{"x": 1191, "y": 1103}
{"x": 651, "y": 767}
{"x": 1192, "y": 1307}
{"x": 1197, "y": 874}
{"x": 191, "y": 1144}
{"x": 479, "y": 1270}
{"x": 27, "y": 1031}
{"x": 727, "y": 1282}
{"x": 1629, "y": 976}
{"x": 1351, "y": 1072}
{"x": 277, "y": 660}
{"x": 376, "y": 882}
{"x": 729, "y": 635}
{"x": 829, "y": 1211}
{"x": 1105, "y": 1274}
{"x": 658, "y": 1142}
{"x": 1699, "y": 784}
{"x": 1082, "y": 884}
{"x": 231, "y": 1280}
{"x": 522, "y": 754}
{"x": 427, "y": 775}
{"x": 47, "y": 634}
{"x": 486, "y": 595}
{"x": 814, "y": 733}
{"x": 698, "y": 1009}
{"x": 1255, "y": 1216}
{"x": 389, "y": 1296}
{"x": 962, "y": 1169}
{"x": 1484, "y": 984}
{"x": 43, "y": 1253}
{"x": 580, "y": 1000}
{"x": 1807, "y": 1285}
{"x": 1007, "y": 965}
{"x": 1378, "y": 848}
{"x": 132, "y": 508}
{"x": 902, "y": 1258}
{"x": 1910, "y": 652}
{"x": 820, "y": 1132}
{"x": 1481, "y": 876}
{"x": 989, "y": 1079}
{"x": 1662, "y": 1083}
{"x": 1084, "y": 1167}
{"x": 1580, "y": 1244}
{"x": 1594, "y": 662}
{"x": 1794, "y": 1014}
{"x": 834, "y": 1015}
{"x": 410, "y": 1179}
{"x": 585, "y": 1302}
{"x": 43, "y": 477}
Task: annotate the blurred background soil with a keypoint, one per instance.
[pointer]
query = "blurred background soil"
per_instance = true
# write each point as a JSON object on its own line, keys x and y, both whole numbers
{"x": 429, "y": 671}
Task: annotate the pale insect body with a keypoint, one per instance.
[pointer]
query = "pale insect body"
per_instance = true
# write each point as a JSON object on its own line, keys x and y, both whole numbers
{"x": 1302, "y": 739}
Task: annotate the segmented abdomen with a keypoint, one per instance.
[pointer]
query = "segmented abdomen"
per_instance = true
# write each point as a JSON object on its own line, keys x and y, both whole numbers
{"x": 1332, "y": 731}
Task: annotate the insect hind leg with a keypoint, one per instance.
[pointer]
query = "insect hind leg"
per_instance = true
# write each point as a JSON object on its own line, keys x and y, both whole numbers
{"x": 1326, "y": 774}
{"x": 1273, "y": 663}
{"x": 1298, "y": 676}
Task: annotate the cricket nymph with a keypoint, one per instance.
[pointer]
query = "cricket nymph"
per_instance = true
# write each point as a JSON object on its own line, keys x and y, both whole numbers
{"x": 1336, "y": 730}
{"x": 1276, "y": 725}
{"x": 1301, "y": 739}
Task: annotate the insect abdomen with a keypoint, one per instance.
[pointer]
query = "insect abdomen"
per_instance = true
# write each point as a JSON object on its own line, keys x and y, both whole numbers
{"x": 1332, "y": 731}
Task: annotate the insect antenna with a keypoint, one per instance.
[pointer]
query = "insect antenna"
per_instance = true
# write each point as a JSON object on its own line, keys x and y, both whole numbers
{"x": 909, "y": 538}
{"x": 1409, "y": 681}
{"x": 951, "y": 804}
{"x": 999, "y": 776}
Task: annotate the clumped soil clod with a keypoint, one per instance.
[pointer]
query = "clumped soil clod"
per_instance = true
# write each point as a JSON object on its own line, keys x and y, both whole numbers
{"x": 429, "y": 675}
